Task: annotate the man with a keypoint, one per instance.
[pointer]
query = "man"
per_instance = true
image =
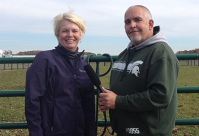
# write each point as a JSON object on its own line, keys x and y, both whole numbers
{"x": 143, "y": 83}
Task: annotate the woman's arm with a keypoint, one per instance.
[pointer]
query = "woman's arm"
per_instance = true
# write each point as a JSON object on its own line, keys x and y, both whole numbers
{"x": 36, "y": 81}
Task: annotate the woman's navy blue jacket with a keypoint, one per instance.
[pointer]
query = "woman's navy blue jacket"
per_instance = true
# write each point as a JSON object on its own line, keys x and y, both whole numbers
{"x": 59, "y": 97}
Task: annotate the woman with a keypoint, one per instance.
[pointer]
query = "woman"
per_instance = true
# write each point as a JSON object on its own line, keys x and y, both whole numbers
{"x": 59, "y": 98}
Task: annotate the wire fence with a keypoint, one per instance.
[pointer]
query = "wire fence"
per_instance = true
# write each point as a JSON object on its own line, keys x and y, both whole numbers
{"x": 12, "y": 66}
{"x": 189, "y": 62}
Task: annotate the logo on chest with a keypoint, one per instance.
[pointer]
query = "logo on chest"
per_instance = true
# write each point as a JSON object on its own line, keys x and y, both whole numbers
{"x": 132, "y": 68}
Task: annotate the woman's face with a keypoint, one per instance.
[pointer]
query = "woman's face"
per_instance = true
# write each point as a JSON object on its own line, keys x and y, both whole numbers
{"x": 69, "y": 35}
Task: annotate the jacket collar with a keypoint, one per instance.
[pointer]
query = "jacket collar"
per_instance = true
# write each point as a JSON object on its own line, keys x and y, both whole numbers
{"x": 63, "y": 51}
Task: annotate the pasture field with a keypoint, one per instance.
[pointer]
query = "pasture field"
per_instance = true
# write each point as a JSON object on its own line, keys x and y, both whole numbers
{"x": 12, "y": 108}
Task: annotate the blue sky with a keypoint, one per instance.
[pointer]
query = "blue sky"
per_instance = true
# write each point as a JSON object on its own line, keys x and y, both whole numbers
{"x": 27, "y": 25}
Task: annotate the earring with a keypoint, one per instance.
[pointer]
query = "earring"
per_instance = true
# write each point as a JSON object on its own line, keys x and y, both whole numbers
{"x": 80, "y": 41}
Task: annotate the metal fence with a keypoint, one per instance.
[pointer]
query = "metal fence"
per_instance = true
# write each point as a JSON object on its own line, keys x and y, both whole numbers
{"x": 11, "y": 66}
{"x": 97, "y": 60}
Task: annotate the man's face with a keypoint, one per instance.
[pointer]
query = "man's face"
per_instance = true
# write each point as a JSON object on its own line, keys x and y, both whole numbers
{"x": 137, "y": 26}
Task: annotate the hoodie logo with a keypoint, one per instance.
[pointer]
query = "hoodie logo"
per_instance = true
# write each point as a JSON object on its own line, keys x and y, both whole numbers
{"x": 133, "y": 67}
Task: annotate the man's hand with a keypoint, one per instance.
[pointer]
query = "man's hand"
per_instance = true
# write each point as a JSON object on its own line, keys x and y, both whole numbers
{"x": 107, "y": 100}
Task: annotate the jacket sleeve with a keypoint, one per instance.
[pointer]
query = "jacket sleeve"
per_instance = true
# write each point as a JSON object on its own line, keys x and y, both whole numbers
{"x": 89, "y": 110}
{"x": 36, "y": 82}
{"x": 161, "y": 86}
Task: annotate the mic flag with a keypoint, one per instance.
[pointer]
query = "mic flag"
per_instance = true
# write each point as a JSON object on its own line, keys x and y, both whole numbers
{"x": 93, "y": 77}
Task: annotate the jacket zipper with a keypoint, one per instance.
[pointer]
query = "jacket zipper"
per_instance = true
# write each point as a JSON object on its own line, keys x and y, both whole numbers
{"x": 75, "y": 93}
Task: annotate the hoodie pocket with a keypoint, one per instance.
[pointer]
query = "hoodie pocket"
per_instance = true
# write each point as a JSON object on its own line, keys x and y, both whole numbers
{"x": 149, "y": 120}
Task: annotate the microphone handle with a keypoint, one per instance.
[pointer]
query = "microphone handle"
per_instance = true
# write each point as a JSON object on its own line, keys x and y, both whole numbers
{"x": 100, "y": 88}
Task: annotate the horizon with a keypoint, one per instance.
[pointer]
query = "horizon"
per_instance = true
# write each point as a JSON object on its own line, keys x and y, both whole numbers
{"x": 92, "y": 52}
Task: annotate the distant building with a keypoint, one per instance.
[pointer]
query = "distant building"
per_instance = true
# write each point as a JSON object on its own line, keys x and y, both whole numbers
{"x": 1, "y": 53}
{"x": 6, "y": 54}
{"x": 9, "y": 52}
{"x": 21, "y": 56}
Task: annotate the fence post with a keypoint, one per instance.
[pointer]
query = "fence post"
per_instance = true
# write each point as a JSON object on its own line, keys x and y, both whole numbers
{"x": 97, "y": 99}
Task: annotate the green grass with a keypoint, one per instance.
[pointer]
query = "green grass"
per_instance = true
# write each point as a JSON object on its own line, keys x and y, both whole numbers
{"x": 12, "y": 108}
{"x": 188, "y": 104}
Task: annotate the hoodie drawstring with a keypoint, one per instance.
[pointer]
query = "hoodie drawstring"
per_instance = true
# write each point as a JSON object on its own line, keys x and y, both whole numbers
{"x": 130, "y": 56}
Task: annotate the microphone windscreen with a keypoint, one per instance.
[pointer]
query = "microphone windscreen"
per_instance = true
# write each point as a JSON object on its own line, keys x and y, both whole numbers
{"x": 92, "y": 75}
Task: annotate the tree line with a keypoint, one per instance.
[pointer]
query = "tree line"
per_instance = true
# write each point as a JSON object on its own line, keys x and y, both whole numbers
{"x": 37, "y": 51}
{"x": 196, "y": 51}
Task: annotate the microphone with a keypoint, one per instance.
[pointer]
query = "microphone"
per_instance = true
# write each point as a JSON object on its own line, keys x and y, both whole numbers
{"x": 93, "y": 77}
{"x": 95, "y": 80}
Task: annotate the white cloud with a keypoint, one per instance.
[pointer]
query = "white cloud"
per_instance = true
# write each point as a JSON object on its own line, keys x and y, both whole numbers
{"x": 177, "y": 18}
{"x": 102, "y": 17}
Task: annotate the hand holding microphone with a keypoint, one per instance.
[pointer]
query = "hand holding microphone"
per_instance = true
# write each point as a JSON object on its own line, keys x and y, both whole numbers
{"x": 94, "y": 78}
{"x": 103, "y": 95}
{"x": 107, "y": 99}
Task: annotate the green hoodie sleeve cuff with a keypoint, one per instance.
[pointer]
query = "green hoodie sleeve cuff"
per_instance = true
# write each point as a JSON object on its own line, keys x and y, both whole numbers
{"x": 119, "y": 102}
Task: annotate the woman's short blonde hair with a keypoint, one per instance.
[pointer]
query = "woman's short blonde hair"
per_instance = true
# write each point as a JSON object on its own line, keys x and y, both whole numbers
{"x": 71, "y": 17}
